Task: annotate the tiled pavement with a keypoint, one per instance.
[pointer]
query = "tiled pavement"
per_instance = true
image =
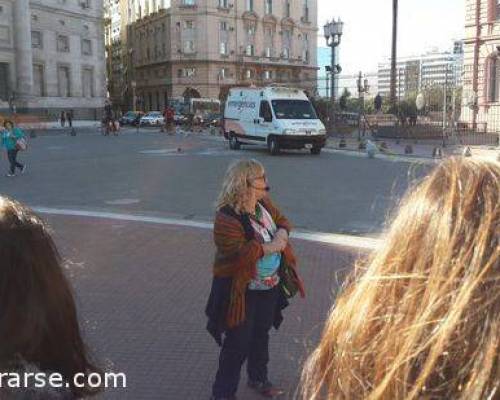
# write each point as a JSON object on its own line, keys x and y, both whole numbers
{"x": 141, "y": 291}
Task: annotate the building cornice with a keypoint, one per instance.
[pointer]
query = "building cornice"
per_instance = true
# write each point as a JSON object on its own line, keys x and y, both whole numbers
{"x": 67, "y": 13}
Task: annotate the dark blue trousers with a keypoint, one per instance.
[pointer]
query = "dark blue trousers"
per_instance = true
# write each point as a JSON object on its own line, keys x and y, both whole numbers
{"x": 248, "y": 341}
{"x": 12, "y": 156}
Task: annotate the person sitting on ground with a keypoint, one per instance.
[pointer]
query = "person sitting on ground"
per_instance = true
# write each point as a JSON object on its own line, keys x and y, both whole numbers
{"x": 39, "y": 331}
{"x": 420, "y": 319}
{"x": 10, "y": 137}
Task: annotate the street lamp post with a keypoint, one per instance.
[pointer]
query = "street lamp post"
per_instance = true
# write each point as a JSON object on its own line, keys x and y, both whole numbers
{"x": 333, "y": 33}
{"x": 363, "y": 87}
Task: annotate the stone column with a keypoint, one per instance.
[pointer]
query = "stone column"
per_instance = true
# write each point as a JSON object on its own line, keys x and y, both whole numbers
{"x": 22, "y": 45}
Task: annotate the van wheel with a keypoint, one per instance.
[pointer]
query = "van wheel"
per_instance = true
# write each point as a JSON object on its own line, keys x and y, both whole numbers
{"x": 316, "y": 150}
{"x": 233, "y": 143}
{"x": 273, "y": 146}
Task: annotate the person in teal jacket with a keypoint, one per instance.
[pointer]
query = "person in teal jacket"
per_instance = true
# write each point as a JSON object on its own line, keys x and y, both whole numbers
{"x": 10, "y": 135}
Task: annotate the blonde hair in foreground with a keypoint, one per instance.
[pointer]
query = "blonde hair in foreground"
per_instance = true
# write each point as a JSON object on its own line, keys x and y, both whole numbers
{"x": 235, "y": 191}
{"x": 420, "y": 319}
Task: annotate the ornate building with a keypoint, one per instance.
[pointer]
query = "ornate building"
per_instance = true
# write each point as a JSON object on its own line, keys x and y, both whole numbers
{"x": 481, "y": 80}
{"x": 200, "y": 48}
{"x": 52, "y": 56}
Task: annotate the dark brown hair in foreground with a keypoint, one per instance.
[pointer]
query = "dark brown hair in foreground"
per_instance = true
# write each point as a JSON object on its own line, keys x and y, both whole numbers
{"x": 421, "y": 318}
{"x": 38, "y": 319}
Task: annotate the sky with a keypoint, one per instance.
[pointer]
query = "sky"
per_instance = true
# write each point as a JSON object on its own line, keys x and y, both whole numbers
{"x": 423, "y": 25}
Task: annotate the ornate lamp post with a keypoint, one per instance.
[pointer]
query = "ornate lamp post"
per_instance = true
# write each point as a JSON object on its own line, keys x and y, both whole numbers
{"x": 333, "y": 33}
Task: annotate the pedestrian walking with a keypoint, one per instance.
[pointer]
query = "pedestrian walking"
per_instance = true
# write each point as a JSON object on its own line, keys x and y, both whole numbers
{"x": 69, "y": 116}
{"x": 14, "y": 140}
{"x": 254, "y": 274}
{"x": 63, "y": 119}
{"x": 39, "y": 330}
{"x": 420, "y": 319}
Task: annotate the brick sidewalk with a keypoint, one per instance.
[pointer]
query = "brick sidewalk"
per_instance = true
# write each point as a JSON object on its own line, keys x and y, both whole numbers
{"x": 141, "y": 291}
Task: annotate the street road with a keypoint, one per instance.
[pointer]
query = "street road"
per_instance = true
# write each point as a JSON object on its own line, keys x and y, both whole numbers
{"x": 149, "y": 173}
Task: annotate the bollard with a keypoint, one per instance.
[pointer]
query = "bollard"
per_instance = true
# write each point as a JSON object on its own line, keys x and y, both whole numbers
{"x": 179, "y": 150}
{"x": 73, "y": 132}
{"x": 437, "y": 152}
{"x": 362, "y": 145}
{"x": 408, "y": 149}
{"x": 342, "y": 143}
{"x": 32, "y": 134}
{"x": 371, "y": 149}
{"x": 467, "y": 152}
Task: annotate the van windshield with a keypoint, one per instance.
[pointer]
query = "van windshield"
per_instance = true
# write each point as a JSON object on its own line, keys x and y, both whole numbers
{"x": 293, "y": 109}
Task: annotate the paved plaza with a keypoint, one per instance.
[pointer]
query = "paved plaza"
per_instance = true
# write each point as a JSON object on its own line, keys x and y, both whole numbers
{"x": 141, "y": 282}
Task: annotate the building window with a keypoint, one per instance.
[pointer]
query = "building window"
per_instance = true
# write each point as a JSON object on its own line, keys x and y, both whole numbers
{"x": 250, "y": 50}
{"x": 86, "y": 47}
{"x": 493, "y": 79}
{"x": 4, "y": 81}
{"x": 186, "y": 72}
{"x": 38, "y": 81}
{"x": 188, "y": 3}
{"x": 498, "y": 9}
{"x": 188, "y": 25}
{"x": 62, "y": 44}
{"x": 248, "y": 74}
{"x": 223, "y": 26}
{"x": 223, "y": 48}
{"x": 189, "y": 46}
{"x": 251, "y": 30}
{"x": 287, "y": 9}
{"x": 268, "y": 6}
{"x": 223, "y": 73}
{"x": 269, "y": 52}
{"x": 36, "y": 40}
{"x": 223, "y": 3}
{"x": 267, "y": 75}
{"x": 88, "y": 82}
{"x": 249, "y": 5}
{"x": 305, "y": 16}
{"x": 63, "y": 78}
{"x": 286, "y": 53}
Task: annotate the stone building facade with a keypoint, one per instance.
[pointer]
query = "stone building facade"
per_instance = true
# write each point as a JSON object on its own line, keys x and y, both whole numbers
{"x": 52, "y": 56}
{"x": 201, "y": 48}
{"x": 481, "y": 79}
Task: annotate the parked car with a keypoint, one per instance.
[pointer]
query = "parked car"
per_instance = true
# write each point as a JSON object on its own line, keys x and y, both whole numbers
{"x": 152, "y": 118}
{"x": 212, "y": 119}
{"x": 131, "y": 118}
{"x": 180, "y": 119}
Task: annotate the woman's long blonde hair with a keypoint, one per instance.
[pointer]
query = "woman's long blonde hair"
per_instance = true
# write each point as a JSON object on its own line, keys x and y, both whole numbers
{"x": 421, "y": 318}
{"x": 235, "y": 190}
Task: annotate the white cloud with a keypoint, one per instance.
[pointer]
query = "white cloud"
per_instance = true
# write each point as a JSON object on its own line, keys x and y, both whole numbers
{"x": 423, "y": 24}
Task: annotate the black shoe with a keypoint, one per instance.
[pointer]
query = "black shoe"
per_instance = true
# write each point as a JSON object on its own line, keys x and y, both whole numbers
{"x": 266, "y": 389}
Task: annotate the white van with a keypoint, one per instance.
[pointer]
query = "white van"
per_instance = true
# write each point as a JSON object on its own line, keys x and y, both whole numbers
{"x": 281, "y": 118}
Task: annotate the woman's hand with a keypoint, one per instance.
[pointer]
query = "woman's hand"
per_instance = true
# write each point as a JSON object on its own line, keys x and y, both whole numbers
{"x": 276, "y": 246}
{"x": 283, "y": 234}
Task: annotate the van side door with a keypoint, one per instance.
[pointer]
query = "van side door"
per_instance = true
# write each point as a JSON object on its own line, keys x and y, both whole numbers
{"x": 264, "y": 124}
